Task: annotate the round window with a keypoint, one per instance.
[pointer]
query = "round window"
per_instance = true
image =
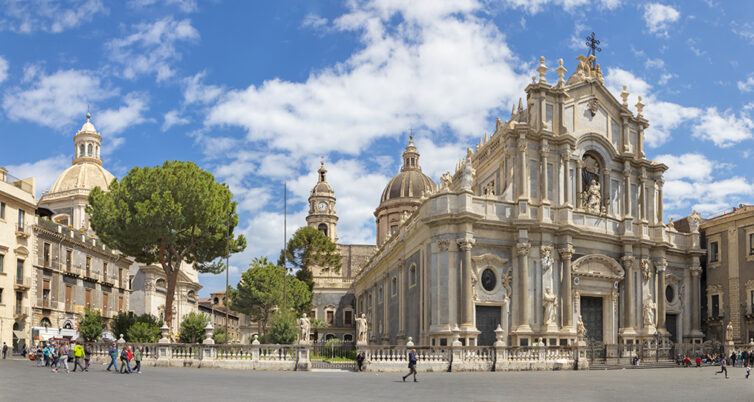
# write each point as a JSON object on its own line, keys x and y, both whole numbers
{"x": 488, "y": 280}
{"x": 669, "y": 293}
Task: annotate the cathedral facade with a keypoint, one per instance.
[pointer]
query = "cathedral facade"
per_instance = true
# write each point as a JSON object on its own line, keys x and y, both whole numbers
{"x": 550, "y": 227}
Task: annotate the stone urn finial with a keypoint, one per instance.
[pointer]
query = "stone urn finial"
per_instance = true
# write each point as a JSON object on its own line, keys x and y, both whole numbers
{"x": 209, "y": 333}
{"x": 121, "y": 340}
{"x": 410, "y": 341}
{"x": 256, "y": 340}
{"x": 165, "y": 332}
{"x": 499, "y": 336}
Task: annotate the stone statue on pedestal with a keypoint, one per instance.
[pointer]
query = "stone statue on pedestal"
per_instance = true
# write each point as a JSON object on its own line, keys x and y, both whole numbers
{"x": 550, "y": 302}
{"x": 593, "y": 197}
{"x": 304, "y": 325}
{"x": 446, "y": 181}
{"x": 467, "y": 178}
{"x": 361, "y": 329}
{"x": 649, "y": 313}
{"x": 546, "y": 258}
{"x": 580, "y": 329}
{"x": 729, "y": 332}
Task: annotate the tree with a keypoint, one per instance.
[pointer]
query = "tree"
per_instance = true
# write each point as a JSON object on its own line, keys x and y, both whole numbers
{"x": 171, "y": 214}
{"x": 316, "y": 325}
{"x": 192, "y": 327}
{"x": 308, "y": 248}
{"x": 121, "y": 323}
{"x": 149, "y": 319}
{"x": 220, "y": 335}
{"x": 283, "y": 328}
{"x": 92, "y": 325}
{"x": 143, "y": 332}
{"x": 260, "y": 292}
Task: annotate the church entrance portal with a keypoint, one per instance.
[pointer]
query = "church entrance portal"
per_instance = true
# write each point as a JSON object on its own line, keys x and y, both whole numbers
{"x": 487, "y": 320}
{"x": 591, "y": 314}
{"x": 671, "y": 324}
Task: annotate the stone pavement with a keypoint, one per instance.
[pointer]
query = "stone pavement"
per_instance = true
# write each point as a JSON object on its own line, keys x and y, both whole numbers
{"x": 22, "y": 381}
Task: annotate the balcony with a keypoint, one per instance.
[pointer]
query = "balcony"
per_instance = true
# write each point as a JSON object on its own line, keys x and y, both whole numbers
{"x": 20, "y": 313}
{"x": 23, "y": 231}
{"x": 22, "y": 284}
{"x": 107, "y": 281}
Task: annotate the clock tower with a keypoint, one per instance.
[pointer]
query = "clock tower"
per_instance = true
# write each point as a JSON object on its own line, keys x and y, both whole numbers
{"x": 322, "y": 206}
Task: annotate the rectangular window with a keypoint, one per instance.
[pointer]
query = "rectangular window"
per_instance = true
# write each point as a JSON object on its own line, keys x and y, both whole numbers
{"x": 120, "y": 277}
{"x": 751, "y": 302}
{"x": 19, "y": 271}
{"x": 2, "y": 262}
{"x": 615, "y": 134}
{"x": 713, "y": 252}
{"x": 549, "y": 181}
{"x": 330, "y": 317}
{"x": 19, "y": 302}
{"x": 104, "y": 270}
{"x": 348, "y": 318}
{"x": 46, "y": 254}
{"x": 120, "y": 303}
{"x": 88, "y": 266}
{"x": 715, "y": 308}
{"x": 104, "y": 303}
{"x": 68, "y": 260}
{"x": 46, "y": 293}
{"x": 1, "y": 295}
{"x": 533, "y": 182}
{"x": 313, "y": 314}
{"x": 751, "y": 246}
{"x": 68, "y": 298}
{"x": 21, "y": 215}
{"x": 88, "y": 298}
{"x": 2, "y": 210}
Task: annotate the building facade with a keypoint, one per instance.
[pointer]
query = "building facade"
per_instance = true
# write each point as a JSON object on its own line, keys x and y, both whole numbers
{"x": 332, "y": 297}
{"x": 215, "y": 308}
{"x": 729, "y": 274}
{"x": 17, "y": 214}
{"x": 149, "y": 291}
{"x": 552, "y": 224}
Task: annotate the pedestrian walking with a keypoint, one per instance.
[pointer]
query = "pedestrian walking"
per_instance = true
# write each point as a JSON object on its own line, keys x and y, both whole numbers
{"x": 360, "y": 360}
{"x": 113, "y": 357}
{"x": 124, "y": 365}
{"x": 748, "y": 370}
{"x": 78, "y": 355}
{"x": 65, "y": 356}
{"x": 411, "y": 365}
{"x": 5, "y": 350}
{"x": 40, "y": 355}
{"x": 137, "y": 359}
{"x": 47, "y": 355}
{"x": 87, "y": 355}
{"x": 723, "y": 368}
{"x": 55, "y": 356}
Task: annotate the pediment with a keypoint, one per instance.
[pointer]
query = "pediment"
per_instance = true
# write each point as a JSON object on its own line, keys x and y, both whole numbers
{"x": 489, "y": 260}
{"x": 597, "y": 266}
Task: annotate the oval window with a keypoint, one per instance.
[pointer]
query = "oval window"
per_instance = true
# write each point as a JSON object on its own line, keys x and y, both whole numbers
{"x": 488, "y": 280}
{"x": 669, "y": 293}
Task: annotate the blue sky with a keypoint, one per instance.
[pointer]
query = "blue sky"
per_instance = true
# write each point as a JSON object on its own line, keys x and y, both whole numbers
{"x": 258, "y": 92}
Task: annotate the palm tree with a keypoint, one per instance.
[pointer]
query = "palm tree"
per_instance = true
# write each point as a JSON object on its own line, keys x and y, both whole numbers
{"x": 316, "y": 326}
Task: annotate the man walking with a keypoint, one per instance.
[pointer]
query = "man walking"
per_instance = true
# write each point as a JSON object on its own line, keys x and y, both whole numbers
{"x": 5, "y": 350}
{"x": 137, "y": 359}
{"x": 78, "y": 354}
{"x": 113, "y": 357}
{"x": 87, "y": 356}
{"x": 723, "y": 368}
{"x": 411, "y": 365}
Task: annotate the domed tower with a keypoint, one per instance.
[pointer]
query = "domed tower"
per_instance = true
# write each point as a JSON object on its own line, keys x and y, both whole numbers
{"x": 402, "y": 193}
{"x": 68, "y": 196}
{"x": 322, "y": 206}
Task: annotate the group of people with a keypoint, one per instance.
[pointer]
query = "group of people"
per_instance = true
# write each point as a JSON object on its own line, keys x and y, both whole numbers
{"x": 58, "y": 354}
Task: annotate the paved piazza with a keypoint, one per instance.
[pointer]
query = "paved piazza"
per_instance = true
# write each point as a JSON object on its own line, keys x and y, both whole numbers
{"x": 21, "y": 381}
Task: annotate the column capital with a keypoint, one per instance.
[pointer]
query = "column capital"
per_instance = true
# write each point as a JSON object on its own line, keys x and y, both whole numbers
{"x": 661, "y": 265}
{"x": 695, "y": 270}
{"x": 565, "y": 157}
{"x": 443, "y": 244}
{"x": 628, "y": 261}
{"x": 522, "y": 144}
{"x": 465, "y": 244}
{"x": 523, "y": 248}
{"x": 566, "y": 252}
{"x": 545, "y": 148}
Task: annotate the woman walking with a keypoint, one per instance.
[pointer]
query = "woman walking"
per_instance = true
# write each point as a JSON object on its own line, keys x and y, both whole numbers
{"x": 87, "y": 355}
{"x": 137, "y": 359}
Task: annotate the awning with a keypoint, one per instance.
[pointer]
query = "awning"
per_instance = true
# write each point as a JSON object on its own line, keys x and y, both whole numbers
{"x": 19, "y": 334}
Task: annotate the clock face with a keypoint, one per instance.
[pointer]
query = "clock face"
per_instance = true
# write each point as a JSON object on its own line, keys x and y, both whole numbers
{"x": 322, "y": 206}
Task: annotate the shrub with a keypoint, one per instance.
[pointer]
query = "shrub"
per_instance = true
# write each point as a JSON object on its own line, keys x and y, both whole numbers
{"x": 192, "y": 327}
{"x": 143, "y": 332}
{"x": 91, "y": 325}
{"x": 283, "y": 329}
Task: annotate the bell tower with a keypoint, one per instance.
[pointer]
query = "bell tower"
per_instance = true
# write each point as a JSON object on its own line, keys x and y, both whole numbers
{"x": 322, "y": 206}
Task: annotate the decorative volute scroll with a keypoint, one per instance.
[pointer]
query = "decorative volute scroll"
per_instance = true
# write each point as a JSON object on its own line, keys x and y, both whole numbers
{"x": 598, "y": 266}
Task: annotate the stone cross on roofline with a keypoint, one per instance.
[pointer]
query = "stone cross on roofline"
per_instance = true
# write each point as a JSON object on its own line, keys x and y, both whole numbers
{"x": 591, "y": 43}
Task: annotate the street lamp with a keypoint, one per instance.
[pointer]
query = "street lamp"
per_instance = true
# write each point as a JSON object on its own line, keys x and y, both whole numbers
{"x": 658, "y": 337}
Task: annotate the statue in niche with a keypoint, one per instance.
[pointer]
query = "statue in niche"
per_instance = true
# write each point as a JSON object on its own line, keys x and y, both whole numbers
{"x": 550, "y": 302}
{"x": 646, "y": 270}
{"x": 467, "y": 179}
{"x": 546, "y": 259}
{"x": 593, "y": 197}
{"x": 729, "y": 332}
{"x": 649, "y": 313}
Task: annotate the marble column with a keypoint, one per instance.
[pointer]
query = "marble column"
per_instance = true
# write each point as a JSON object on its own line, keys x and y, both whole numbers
{"x": 544, "y": 151}
{"x": 695, "y": 305}
{"x": 566, "y": 181}
{"x": 642, "y": 204}
{"x": 628, "y": 308}
{"x": 606, "y": 189}
{"x": 579, "y": 185}
{"x": 660, "y": 216}
{"x": 627, "y": 176}
{"x": 566, "y": 254}
{"x": 467, "y": 303}
{"x": 661, "y": 265}
{"x": 523, "y": 191}
{"x": 523, "y": 294}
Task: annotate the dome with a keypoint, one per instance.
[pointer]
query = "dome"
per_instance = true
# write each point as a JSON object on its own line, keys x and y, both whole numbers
{"x": 88, "y": 127}
{"x": 407, "y": 184}
{"x": 322, "y": 187}
{"x": 83, "y": 175}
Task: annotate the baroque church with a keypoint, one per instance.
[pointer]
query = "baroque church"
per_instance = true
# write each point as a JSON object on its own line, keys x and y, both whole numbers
{"x": 550, "y": 228}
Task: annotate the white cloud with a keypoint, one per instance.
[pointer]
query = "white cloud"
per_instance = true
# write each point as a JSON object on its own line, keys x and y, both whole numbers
{"x": 535, "y": 6}
{"x": 3, "y": 69}
{"x": 197, "y": 92}
{"x": 692, "y": 166}
{"x": 313, "y": 21}
{"x": 44, "y": 171}
{"x": 663, "y": 117}
{"x": 746, "y": 86}
{"x": 724, "y": 130}
{"x": 49, "y": 16}
{"x": 658, "y": 17}
{"x": 402, "y": 76}
{"x": 112, "y": 122}
{"x": 54, "y": 100}
{"x": 151, "y": 48}
{"x": 173, "y": 118}
{"x": 654, "y": 64}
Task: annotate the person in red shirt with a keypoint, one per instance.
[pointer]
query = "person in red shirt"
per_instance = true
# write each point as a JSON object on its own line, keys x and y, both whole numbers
{"x": 698, "y": 361}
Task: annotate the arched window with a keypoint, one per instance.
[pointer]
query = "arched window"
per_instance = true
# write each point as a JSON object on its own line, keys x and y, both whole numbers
{"x": 347, "y": 338}
{"x": 45, "y": 322}
{"x": 68, "y": 325}
{"x": 89, "y": 150}
{"x": 161, "y": 285}
{"x": 81, "y": 150}
{"x": 191, "y": 296}
{"x": 329, "y": 336}
{"x": 322, "y": 228}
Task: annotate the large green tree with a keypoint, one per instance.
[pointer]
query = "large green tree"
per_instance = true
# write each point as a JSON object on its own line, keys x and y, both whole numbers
{"x": 260, "y": 292}
{"x": 171, "y": 215}
{"x": 192, "y": 327}
{"x": 309, "y": 248}
{"x": 283, "y": 328}
{"x": 143, "y": 332}
{"x": 92, "y": 325}
{"x": 121, "y": 323}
